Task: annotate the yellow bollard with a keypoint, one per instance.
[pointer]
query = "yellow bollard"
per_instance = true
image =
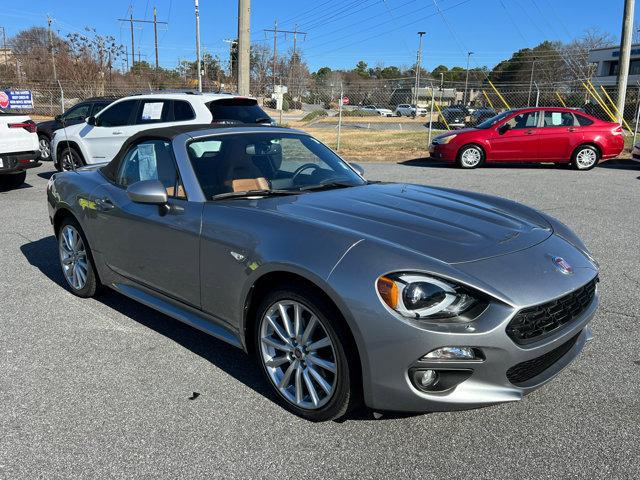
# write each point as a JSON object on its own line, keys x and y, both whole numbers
{"x": 616, "y": 109}
{"x": 561, "y": 100}
{"x": 488, "y": 99}
{"x": 499, "y": 96}
{"x": 443, "y": 119}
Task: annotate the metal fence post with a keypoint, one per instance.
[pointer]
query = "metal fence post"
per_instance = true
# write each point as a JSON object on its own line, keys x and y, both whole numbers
{"x": 339, "y": 117}
{"x": 433, "y": 99}
{"x": 537, "y": 94}
{"x": 61, "y": 97}
{"x": 635, "y": 132}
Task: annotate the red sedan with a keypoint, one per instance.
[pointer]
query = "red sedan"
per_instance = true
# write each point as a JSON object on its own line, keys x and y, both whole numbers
{"x": 558, "y": 135}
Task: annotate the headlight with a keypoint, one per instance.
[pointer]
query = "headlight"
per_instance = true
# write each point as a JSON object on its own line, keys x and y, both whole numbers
{"x": 423, "y": 297}
{"x": 445, "y": 140}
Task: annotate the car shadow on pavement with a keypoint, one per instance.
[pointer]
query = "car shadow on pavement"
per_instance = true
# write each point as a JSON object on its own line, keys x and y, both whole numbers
{"x": 5, "y": 188}
{"x": 42, "y": 254}
{"x": 428, "y": 162}
{"x": 47, "y": 175}
{"x": 620, "y": 164}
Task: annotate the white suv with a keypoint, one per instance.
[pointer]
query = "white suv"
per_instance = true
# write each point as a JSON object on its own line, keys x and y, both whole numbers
{"x": 19, "y": 148}
{"x": 406, "y": 110}
{"x": 99, "y": 138}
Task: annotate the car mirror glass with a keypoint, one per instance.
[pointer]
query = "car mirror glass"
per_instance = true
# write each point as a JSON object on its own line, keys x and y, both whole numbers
{"x": 92, "y": 120}
{"x": 504, "y": 128}
{"x": 358, "y": 168}
{"x": 148, "y": 191}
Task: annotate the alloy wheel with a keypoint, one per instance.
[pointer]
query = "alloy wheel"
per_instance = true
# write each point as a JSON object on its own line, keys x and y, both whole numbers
{"x": 73, "y": 257}
{"x": 586, "y": 158}
{"x": 471, "y": 157}
{"x": 45, "y": 148}
{"x": 70, "y": 160}
{"x": 298, "y": 354}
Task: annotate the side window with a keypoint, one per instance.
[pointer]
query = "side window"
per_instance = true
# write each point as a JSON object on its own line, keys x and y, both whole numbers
{"x": 98, "y": 107}
{"x": 524, "y": 120}
{"x": 584, "y": 121}
{"x": 182, "y": 111}
{"x": 559, "y": 119}
{"x": 77, "y": 112}
{"x": 152, "y": 111}
{"x": 117, "y": 115}
{"x": 151, "y": 160}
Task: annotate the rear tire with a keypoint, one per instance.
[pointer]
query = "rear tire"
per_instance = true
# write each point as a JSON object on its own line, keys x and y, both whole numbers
{"x": 470, "y": 156}
{"x": 585, "y": 157}
{"x": 45, "y": 147}
{"x": 76, "y": 260}
{"x": 13, "y": 180}
{"x": 310, "y": 366}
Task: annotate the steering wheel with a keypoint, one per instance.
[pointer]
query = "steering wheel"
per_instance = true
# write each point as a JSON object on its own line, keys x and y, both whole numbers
{"x": 301, "y": 169}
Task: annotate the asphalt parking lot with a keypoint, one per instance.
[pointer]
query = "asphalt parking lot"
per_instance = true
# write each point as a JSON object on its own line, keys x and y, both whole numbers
{"x": 105, "y": 388}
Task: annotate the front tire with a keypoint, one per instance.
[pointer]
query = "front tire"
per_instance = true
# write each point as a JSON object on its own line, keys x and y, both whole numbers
{"x": 76, "y": 260}
{"x": 69, "y": 159}
{"x": 470, "y": 156}
{"x": 301, "y": 346}
{"x": 13, "y": 180}
{"x": 585, "y": 157}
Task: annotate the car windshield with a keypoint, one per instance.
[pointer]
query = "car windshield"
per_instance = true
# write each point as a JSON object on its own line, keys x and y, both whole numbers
{"x": 490, "y": 122}
{"x": 267, "y": 163}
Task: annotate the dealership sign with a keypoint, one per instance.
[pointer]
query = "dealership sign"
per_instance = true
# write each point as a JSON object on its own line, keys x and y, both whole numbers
{"x": 19, "y": 99}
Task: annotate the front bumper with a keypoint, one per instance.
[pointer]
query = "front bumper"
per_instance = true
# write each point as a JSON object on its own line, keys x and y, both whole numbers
{"x": 17, "y": 162}
{"x": 443, "y": 152}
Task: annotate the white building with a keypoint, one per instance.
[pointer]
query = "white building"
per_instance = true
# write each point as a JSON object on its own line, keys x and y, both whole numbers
{"x": 607, "y": 61}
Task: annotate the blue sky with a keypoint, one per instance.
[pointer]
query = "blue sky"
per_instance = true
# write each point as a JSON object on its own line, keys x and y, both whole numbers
{"x": 340, "y": 32}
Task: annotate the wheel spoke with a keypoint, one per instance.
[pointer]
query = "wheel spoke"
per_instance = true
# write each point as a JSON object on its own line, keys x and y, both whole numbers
{"x": 298, "y": 381}
{"x": 297, "y": 321}
{"x": 327, "y": 365}
{"x": 278, "y": 330}
{"x": 321, "y": 381}
{"x": 277, "y": 345}
{"x": 309, "y": 330}
{"x": 324, "y": 342}
{"x": 285, "y": 320}
{"x": 284, "y": 381}
{"x": 311, "y": 388}
{"x": 277, "y": 361}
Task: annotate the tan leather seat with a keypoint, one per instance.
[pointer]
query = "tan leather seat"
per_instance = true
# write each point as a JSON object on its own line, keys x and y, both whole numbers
{"x": 180, "y": 194}
{"x": 244, "y": 184}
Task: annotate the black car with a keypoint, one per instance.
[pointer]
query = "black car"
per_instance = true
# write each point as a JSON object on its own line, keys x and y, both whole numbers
{"x": 454, "y": 117}
{"x": 482, "y": 114}
{"x": 76, "y": 114}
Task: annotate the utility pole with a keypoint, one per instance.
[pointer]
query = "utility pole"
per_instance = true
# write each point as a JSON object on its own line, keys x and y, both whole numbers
{"x": 199, "y": 67}
{"x": 4, "y": 47}
{"x": 533, "y": 64}
{"x": 466, "y": 81}
{"x": 155, "y": 34}
{"x": 244, "y": 46}
{"x": 275, "y": 45}
{"x": 155, "y": 22}
{"x": 418, "y": 68}
{"x": 625, "y": 56}
{"x": 53, "y": 57}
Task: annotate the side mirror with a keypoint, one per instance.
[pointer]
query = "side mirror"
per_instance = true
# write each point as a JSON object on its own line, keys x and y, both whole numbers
{"x": 504, "y": 128}
{"x": 92, "y": 121}
{"x": 357, "y": 168}
{"x": 148, "y": 191}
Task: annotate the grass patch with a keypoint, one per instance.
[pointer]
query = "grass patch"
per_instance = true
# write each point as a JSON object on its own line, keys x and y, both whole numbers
{"x": 313, "y": 115}
{"x": 375, "y": 145}
{"x": 358, "y": 113}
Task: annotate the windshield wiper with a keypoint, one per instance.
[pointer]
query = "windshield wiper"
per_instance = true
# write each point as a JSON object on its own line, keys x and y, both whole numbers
{"x": 327, "y": 186}
{"x": 254, "y": 193}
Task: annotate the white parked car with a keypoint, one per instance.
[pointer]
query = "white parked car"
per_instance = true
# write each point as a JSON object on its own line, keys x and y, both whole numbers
{"x": 19, "y": 148}
{"x": 383, "y": 112}
{"x": 407, "y": 110}
{"x": 99, "y": 138}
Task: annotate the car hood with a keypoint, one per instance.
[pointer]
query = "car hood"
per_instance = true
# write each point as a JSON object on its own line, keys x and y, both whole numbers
{"x": 448, "y": 225}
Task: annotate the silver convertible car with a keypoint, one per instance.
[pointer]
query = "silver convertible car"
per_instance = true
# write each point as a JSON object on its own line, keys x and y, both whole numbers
{"x": 402, "y": 297}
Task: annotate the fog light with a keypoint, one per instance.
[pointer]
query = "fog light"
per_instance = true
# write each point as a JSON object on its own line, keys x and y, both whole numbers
{"x": 425, "y": 378}
{"x": 451, "y": 353}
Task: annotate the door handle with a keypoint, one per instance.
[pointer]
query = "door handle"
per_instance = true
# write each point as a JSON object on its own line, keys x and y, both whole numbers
{"x": 529, "y": 132}
{"x": 571, "y": 129}
{"x": 104, "y": 204}
{"x": 117, "y": 132}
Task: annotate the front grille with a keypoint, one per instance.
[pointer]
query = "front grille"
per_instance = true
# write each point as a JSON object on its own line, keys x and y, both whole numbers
{"x": 524, "y": 371}
{"x": 535, "y": 323}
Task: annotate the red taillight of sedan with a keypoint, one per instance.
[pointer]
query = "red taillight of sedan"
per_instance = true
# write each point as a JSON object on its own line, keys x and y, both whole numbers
{"x": 28, "y": 125}
{"x": 617, "y": 130}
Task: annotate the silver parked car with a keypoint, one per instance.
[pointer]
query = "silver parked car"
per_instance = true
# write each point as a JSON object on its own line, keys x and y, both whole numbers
{"x": 406, "y": 297}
